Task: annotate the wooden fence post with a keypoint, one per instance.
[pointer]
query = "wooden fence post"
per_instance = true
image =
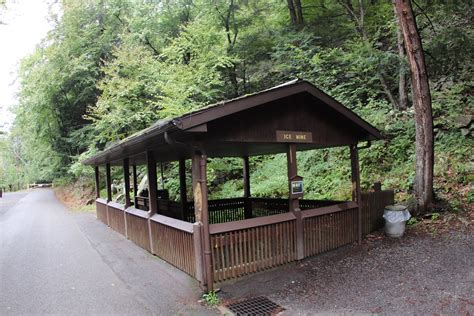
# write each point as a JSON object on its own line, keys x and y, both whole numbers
{"x": 197, "y": 238}
{"x": 377, "y": 186}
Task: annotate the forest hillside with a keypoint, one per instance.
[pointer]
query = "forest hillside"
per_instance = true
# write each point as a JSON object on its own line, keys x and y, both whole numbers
{"x": 110, "y": 68}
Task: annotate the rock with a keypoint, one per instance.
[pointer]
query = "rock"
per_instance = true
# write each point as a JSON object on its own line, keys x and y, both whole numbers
{"x": 465, "y": 131}
{"x": 464, "y": 120}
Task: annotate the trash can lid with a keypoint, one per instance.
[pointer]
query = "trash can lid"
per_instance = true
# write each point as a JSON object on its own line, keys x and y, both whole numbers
{"x": 397, "y": 207}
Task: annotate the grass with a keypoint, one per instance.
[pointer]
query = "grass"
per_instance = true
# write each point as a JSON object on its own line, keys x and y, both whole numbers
{"x": 211, "y": 299}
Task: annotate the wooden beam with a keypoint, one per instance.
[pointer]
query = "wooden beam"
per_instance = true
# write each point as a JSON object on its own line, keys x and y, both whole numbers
{"x": 152, "y": 182}
{"x": 126, "y": 179}
{"x": 182, "y": 187}
{"x": 97, "y": 182}
{"x": 108, "y": 182}
{"x": 356, "y": 192}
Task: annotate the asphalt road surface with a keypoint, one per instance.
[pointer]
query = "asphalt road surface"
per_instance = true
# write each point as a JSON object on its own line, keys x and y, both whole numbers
{"x": 54, "y": 261}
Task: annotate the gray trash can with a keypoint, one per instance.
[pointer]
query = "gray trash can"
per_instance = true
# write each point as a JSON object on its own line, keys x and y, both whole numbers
{"x": 395, "y": 218}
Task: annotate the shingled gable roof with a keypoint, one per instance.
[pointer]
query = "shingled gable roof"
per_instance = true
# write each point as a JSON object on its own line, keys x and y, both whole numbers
{"x": 222, "y": 109}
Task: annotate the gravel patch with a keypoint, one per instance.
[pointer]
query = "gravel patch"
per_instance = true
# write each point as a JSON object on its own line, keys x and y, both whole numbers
{"x": 419, "y": 274}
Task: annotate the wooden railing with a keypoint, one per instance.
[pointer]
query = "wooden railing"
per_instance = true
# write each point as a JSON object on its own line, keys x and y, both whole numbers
{"x": 266, "y": 207}
{"x": 329, "y": 227}
{"x": 312, "y": 204}
{"x": 116, "y": 217}
{"x": 165, "y": 207}
{"x": 243, "y": 246}
{"x": 137, "y": 227}
{"x": 169, "y": 208}
{"x": 221, "y": 210}
{"x": 251, "y": 245}
{"x": 373, "y": 204}
{"x": 173, "y": 241}
{"x": 101, "y": 209}
{"x": 228, "y": 210}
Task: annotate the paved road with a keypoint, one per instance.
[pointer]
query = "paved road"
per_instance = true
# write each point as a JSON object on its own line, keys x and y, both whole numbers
{"x": 53, "y": 261}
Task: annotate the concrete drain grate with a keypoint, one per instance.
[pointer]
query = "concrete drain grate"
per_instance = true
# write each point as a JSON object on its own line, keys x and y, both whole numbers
{"x": 255, "y": 306}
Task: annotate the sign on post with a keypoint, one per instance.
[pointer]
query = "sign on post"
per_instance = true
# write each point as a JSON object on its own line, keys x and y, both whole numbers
{"x": 296, "y": 187}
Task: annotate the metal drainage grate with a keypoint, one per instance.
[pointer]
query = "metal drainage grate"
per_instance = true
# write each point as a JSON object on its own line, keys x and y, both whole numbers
{"x": 255, "y": 306}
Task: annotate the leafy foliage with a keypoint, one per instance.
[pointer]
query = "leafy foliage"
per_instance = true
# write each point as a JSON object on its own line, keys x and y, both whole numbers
{"x": 110, "y": 68}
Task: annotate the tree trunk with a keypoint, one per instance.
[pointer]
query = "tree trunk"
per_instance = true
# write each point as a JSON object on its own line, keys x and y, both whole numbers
{"x": 299, "y": 13}
{"x": 402, "y": 78}
{"x": 291, "y": 8}
{"x": 296, "y": 12}
{"x": 422, "y": 105}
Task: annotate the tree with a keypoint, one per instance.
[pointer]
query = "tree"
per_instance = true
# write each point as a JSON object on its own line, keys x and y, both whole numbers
{"x": 422, "y": 105}
{"x": 296, "y": 13}
{"x": 358, "y": 18}
{"x": 402, "y": 78}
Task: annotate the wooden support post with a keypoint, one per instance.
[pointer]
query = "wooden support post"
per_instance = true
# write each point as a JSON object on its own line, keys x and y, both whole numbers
{"x": 292, "y": 172}
{"x": 135, "y": 184}
{"x": 182, "y": 188}
{"x": 152, "y": 182}
{"x": 356, "y": 193}
{"x": 293, "y": 202}
{"x": 126, "y": 179}
{"x": 246, "y": 175}
{"x": 152, "y": 193}
{"x": 108, "y": 183}
{"x": 196, "y": 175}
{"x": 162, "y": 178}
{"x": 199, "y": 173}
{"x": 97, "y": 182}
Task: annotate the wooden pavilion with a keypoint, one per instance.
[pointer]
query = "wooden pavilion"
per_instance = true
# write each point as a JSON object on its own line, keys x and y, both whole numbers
{"x": 216, "y": 240}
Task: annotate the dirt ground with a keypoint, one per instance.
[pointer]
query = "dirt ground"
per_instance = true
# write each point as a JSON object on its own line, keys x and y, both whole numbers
{"x": 430, "y": 271}
{"x": 77, "y": 197}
